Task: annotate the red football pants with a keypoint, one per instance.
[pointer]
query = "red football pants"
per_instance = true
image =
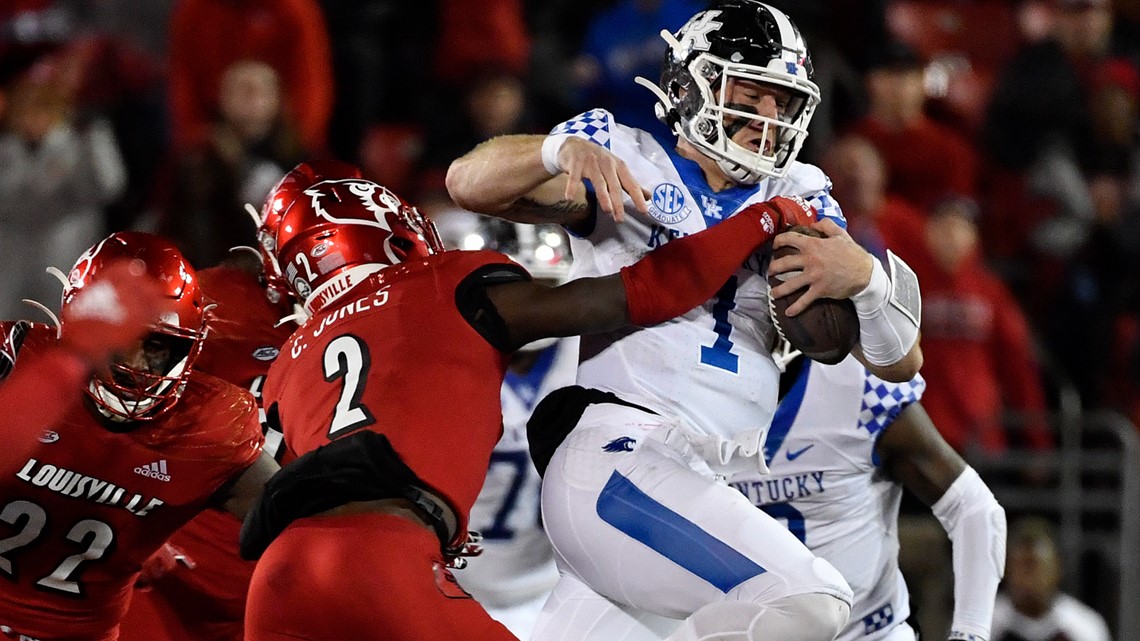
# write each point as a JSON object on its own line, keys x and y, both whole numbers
{"x": 366, "y": 577}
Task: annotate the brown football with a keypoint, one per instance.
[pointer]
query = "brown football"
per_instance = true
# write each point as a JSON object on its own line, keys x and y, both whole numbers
{"x": 825, "y": 331}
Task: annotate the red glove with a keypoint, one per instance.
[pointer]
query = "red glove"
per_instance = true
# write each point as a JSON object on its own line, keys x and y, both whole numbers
{"x": 164, "y": 561}
{"x": 110, "y": 313}
{"x": 789, "y": 211}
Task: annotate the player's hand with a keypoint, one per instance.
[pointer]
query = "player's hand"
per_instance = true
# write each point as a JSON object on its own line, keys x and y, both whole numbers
{"x": 165, "y": 560}
{"x": 583, "y": 160}
{"x": 111, "y": 313}
{"x": 834, "y": 266}
{"x": 793, "y": 211}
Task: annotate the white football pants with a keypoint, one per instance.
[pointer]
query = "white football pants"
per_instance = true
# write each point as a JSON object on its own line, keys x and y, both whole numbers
{"x": 650, "y": 528}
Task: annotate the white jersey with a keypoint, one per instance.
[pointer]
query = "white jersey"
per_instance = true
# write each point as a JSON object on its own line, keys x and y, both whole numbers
{"x": 710, "y": 368}
{"x": 517, "y": 563}
{"x": 826, "y": 485}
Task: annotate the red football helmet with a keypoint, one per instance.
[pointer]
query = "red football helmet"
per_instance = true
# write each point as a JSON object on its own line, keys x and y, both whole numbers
{"x": 146, "y": 384}
{"x": 338, "y": 232}
{"x": 287, "y": 190}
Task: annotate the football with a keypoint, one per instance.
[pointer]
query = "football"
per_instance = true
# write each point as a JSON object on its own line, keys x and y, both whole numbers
{"x": 825, "y": 331}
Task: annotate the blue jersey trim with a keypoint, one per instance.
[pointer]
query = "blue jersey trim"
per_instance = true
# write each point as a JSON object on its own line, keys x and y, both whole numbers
{"x": 624, "y": 506}
{"x": 786, "y": 413}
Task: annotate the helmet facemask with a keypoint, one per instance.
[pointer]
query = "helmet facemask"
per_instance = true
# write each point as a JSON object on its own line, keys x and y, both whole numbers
{"x": 145, "y": 384}
{"x": 709, "y": 122}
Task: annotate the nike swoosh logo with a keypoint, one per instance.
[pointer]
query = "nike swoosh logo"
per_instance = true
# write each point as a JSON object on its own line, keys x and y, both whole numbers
{"x": 795, "y": 455}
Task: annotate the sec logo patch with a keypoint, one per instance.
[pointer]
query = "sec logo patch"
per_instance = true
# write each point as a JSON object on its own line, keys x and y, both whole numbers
{"x": 668, "y": 204}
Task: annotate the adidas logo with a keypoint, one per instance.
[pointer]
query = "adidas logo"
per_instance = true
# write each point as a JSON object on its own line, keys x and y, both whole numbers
{"x": 156, "y": 471}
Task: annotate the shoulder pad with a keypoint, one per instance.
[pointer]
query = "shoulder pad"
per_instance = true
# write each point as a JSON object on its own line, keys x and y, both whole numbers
{"x": 595, "y": 125}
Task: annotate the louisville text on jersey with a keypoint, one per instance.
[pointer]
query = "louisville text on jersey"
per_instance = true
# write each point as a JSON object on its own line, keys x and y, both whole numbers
{"x": 80, "y": 486}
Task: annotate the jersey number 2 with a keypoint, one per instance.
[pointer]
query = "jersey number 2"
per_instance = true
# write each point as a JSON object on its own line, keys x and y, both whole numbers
{"x": 97, "y": 536}
{"x": 346, "y": 357}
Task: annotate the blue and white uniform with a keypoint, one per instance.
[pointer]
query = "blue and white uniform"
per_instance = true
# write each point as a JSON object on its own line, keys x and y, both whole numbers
{"x": 634, "y": 502}
{"x": 826, "y": 486}
{"x": 516, "y": 571}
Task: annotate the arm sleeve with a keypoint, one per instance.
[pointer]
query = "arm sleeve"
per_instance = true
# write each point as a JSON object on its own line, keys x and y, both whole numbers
{"x": 975, "y": 523}
{"x": 686, "y": 272}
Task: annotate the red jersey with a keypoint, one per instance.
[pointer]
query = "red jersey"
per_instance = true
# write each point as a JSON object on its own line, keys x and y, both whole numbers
{"x": 242, "y": 343}
{"x": 87, "y": 506}
{"x": 396, "y": 356}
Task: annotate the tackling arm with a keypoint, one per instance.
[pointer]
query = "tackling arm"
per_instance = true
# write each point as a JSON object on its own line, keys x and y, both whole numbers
{"x": 665, "y": 283}
{"x": 916, "y": 455}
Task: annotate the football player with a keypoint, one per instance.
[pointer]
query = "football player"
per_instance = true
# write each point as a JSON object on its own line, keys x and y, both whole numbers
{"x": 105, "y": 318}
{"x": 842, "y": 447}
{"x": 389, "y": 394}
{"x": 153, "y": 443}
{"x": 207, "y": 603}
{"x": 515, "y": 572}
{"x": 736, "y": 89}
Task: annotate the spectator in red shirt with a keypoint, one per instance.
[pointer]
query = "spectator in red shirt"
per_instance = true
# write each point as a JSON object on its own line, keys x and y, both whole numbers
{"x": 979, "y": 352}
{"x": 875, "y": 219}
{"x": 926, "y": 159}
{"x": 207, "y": 36}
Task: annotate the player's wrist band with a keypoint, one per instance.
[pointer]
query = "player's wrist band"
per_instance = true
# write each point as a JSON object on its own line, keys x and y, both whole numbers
{"x": 964, "y": 636}
{"x": 550, "y": 148}
{"x": 890, "y": 311}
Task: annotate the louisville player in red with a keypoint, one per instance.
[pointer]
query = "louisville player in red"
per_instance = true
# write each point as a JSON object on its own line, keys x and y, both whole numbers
{"x": 200, "y": 584}
{"x": 389, "y": 395}
{"x": 152, "y": 443}
{"x": 105, "y": 318}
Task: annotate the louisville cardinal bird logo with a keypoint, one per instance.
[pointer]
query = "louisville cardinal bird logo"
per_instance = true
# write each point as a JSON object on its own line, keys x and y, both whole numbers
{"x": 375, "y": 199}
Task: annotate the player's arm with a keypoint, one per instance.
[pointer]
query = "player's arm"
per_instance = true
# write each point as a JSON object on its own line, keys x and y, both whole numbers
{"x": 665, "y": 283}
{"x": 539, "y": 179}
{"x": 886, "y": 297}
{"x": 238, "y": 498}
{"x": 915, "y": 454}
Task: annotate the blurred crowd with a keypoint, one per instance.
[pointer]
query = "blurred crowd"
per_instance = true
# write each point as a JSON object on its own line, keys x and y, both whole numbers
{"x": 990, "y": 143}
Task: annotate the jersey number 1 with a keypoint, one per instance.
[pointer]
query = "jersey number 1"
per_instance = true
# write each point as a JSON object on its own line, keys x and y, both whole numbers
{"x": 720, "y": 354}
{"x": 346, "y": 357}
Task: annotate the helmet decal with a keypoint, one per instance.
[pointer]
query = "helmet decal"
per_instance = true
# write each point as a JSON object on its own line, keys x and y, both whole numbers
{"x": 374, "y": 198}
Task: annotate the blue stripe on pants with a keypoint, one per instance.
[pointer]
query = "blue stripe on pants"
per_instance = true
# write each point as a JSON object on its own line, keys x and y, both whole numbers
{"x": 624, "y": 506}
